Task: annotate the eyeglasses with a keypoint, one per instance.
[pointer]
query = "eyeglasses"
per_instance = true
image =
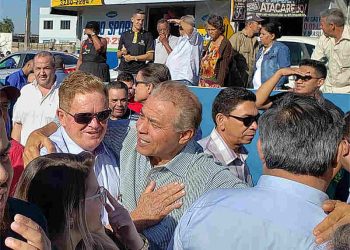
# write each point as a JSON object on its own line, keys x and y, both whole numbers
{"x": 101, "y": 194}
{"x": 305, "y": 78}
{"x": 247, "y": 121}
{"x": 86, "y": 118}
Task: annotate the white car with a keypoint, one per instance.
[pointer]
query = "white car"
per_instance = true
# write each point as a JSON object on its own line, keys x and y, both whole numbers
{"x": 301, "y": 47}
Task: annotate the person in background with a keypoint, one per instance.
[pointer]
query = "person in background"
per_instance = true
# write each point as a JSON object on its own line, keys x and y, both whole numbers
{"x": 118, "y": 102}
{"x": 60, "y": 74}
{"x": 38, "y": 102}
{"x": 20, "y": 78}
{"x": 334, "y": 47}
{"x": 217, "y": 55}
{"x": 135, "y": 46}
{"x": 183, "y": 62}
{"x": 235, "y": 116}
{"x": 272, "y": 56}
{"x": 246, "y": 45}
{"x": 93, "y": 57}
{"x": 129, "y": 80}
{"x": 165, "y": 42}
{"x": 148, "y": 79}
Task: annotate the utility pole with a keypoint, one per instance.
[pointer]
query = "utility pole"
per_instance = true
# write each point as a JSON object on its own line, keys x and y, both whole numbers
{"x": 28, "y": 20}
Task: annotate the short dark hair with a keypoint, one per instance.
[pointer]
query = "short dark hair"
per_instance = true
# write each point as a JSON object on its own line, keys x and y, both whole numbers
{"x": 93, "y": 25}
{"x": 273, "y": 28}
{"x": 117, "y": 85}
{"x": 139, "y": 11}
{"x": 217, "y": 22}
{"x": 319, "y": 66}
{"x": 125, "y": 77}
{"x": 229, "y": 98}
{"x": 155, "y": 73}
{"x": 58, "y": 62}
{"x": 300, "y": 135}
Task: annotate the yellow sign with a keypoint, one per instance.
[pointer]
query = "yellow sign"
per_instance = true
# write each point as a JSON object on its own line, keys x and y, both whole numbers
{"x": 62, "y": 3}
{"x": 228, "y": 28}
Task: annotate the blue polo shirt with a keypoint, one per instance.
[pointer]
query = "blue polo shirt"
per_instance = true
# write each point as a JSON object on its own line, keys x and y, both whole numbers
{"x": 17, "y": 79}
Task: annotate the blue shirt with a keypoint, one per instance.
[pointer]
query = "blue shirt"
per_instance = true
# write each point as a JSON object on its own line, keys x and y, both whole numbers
{"x": 60, "y": 75}
{"x": 275, "y": 214}
{"x": 17, "y": 79}
{"x": 106, "y": 168}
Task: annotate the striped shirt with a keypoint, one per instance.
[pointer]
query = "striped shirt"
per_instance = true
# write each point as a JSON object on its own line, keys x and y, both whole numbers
{"x": 215, "y": 145}
{"x": 191, "y": 166}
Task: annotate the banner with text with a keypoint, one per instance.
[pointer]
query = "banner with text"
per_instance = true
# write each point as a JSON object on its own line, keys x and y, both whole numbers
{"x": 239, "y": 10}
{"x": 278, "y": 8}
{"x": 74, "y": 3}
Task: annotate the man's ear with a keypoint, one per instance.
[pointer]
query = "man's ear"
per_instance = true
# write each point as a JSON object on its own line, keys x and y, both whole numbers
{"x": 186, "y": 136}
{"x": 320, "y": 82}
{"x": 61, "y": 116}
{"x": 220, "y": 121}
{"x": 343, "y": 150}
{"x": 150, "y": 88}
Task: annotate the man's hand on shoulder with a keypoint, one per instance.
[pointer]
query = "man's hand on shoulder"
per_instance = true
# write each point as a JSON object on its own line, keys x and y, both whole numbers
{"x": 154, "y": 205}
{"x": 339, "y": 214}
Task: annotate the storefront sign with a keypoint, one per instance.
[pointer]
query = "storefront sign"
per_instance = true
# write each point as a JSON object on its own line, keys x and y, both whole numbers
{"x": 61, "y": 3}
{"x": 284, "y": 8}
{"x": 311, "y": 26}
{"x": 239, "y": 10}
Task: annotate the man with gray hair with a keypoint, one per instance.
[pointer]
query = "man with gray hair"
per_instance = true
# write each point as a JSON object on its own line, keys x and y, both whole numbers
{"x": 334, "y": 47}
{"x": 38, "y": 102}
{"x": 183, "y": 62}
{"x": 161, "y": 151}
{"x": 299, "y": 147}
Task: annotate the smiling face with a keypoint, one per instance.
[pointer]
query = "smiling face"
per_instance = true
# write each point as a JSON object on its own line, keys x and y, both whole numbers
{"x": 310, "y": 86}
{"x": 157, "y": 137}
{"x": 137, "y": 21}
{"x": 232, "y": 130}
{"x": 87, "y": 136}
{"x": 118, "y": 102}
{"x": 44, "y": 71}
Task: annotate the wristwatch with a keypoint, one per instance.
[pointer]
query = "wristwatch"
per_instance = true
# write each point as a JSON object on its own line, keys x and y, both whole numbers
{"x": 135, "y": 58}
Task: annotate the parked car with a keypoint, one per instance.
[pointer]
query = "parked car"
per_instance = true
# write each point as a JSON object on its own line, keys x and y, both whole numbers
{"x": 301, "y": 47}
{"x": 17, "y": 60}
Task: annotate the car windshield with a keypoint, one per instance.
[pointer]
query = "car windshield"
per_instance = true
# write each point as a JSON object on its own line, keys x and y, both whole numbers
{"x": 10, "y": 62}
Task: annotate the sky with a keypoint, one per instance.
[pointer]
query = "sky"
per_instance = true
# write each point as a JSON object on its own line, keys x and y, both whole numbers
{"x": 16, "y": 10}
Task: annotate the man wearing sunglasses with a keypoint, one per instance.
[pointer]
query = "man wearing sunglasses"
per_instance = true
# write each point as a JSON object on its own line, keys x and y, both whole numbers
{"x": 235, "y": 117}
{"x": 83, "y": 113}
{"x": 309, "y": 77}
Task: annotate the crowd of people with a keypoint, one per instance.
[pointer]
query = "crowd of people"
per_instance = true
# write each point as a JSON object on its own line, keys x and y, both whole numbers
{"x": 89, "y": 163}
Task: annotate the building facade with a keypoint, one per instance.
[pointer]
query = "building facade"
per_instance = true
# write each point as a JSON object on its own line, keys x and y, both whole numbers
{"x": 57, "y": 28}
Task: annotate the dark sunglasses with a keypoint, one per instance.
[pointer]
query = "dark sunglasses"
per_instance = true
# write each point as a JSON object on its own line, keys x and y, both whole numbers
{"x": 247, "y": 121}
{"x": 86, "y": 118}
{"x": 305, "y": 78}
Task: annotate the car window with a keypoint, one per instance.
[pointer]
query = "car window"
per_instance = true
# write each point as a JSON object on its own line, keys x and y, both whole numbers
{"x": 68, "y": 59}
{"x": 28, "y": 57}
{"x": 296, "y": 52}
{"x": 310, "y": 48}
{"x": 10, "y": 62}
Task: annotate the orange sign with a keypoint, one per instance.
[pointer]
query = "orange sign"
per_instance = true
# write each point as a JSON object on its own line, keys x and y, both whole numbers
{"x": 61, "y": 3}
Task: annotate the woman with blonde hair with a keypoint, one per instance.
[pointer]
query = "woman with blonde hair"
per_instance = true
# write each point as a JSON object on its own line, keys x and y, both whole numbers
{"x": 64, "y": 186}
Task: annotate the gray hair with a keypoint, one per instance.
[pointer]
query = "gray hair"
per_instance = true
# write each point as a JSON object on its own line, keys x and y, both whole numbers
{"x": 335, "y": 16}
{"x": 300, "y": 135}
{"x": 341, "y": 239}
{"x": 187, "y": 105}
{"x": 45, "y": 54}
{"x": 188, "y": 19}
